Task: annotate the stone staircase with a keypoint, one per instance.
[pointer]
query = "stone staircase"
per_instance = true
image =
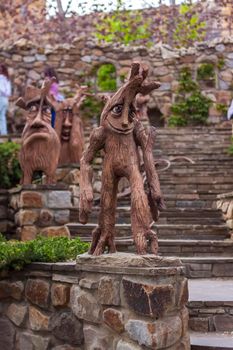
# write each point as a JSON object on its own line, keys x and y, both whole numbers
{"x": 191, "y": 227}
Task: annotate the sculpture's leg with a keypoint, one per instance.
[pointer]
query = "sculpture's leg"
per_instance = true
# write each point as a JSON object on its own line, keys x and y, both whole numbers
{"x": 153, "y": 241}
{"x": 140, "y": 215}
{"x": 50, "y": 178}
{"x": 26, "y": 178}
{"x": 95, "y": 238}
{"x": 107, "y": 214}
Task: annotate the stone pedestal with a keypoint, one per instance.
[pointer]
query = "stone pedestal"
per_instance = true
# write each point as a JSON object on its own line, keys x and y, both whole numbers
{"x": 42, "y": 209}
{"x": 127, "y": 302}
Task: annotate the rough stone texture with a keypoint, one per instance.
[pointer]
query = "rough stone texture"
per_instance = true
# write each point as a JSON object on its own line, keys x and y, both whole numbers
{"x": 16, "y": 290}
{"x": 27, "y": 233}
{"x": 199, "y": 324}
{"x": 109, "y": 291}
{"x": 16, "y": 313}
{"x": 97, "y": 338}
{"x": 122, "y": 345}
{"x": 156, "y": 335}
{"x": 84, "y": 305}
{"x": 59, "y": 199}
{"x": 65, "y": 326}
{"x": 28, "y": 341}
{"x": 114, "y": 319}
{"x": 121, "y": 260}
{"x": 56, "y": 231}
{"x": 182, "y": 293}
{"x": 62, "y": 216}
{"x": 31, "y": 200}
{"x": 225, "y": 203}
{"x": 88, "y": 284}
{"x": 7, "y": 334}
{"x": 60, "y": 294}
{"x": 38, "y": 320}
{"x": 223, "y": 323}
{"x": 37, "y": 291}
{"x": 148, "y": 300}
{"x": 26, "y": 217}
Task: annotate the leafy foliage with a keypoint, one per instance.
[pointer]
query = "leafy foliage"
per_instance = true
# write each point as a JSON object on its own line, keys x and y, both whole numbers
{"x": 106, "y": 77}
{"x": 222, "y": 108}
{"x": 16, "y": 254}
{"x": 192, "y": 107}
{"x": 91, "y": 107}
{"x": 205, "y": 71}
{"x": 10, "y": 171}
{"x": 189, "y": 28}
{"x": 123, "y": 26}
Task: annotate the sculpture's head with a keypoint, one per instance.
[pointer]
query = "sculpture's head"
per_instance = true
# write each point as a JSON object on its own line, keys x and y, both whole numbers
{"x": 68, "y": 111}
{"x": 37, "y": 103}
{"x": 119, "y": 111}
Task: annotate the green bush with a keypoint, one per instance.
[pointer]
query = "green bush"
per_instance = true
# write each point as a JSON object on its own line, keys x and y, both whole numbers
{"x": 123, "y": 27}
{"x": 10, "y": 172}
{"x": 206, "y": 71}
{"x": 191, "y": 108}
{"x": 91, "y": 107}
{"x": 16, "y": 254}
{"x": 106, "y": 77}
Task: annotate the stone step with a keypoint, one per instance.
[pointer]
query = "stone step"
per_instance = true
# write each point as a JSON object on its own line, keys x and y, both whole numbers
{"x": 200, "y": 232}
{"x": 211, "y": 341}
{"x": 211, "y": 305}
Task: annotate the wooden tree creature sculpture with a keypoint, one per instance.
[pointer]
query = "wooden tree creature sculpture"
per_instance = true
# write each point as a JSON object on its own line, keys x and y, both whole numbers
{"x": 120, "y": 135}
{"x": 40, "y": 144}
{"x": 69, "y": 127}
{"x": 141, "y": 106}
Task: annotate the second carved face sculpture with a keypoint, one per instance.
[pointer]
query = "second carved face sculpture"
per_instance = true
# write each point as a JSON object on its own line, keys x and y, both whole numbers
{"x": 69, "y": 128}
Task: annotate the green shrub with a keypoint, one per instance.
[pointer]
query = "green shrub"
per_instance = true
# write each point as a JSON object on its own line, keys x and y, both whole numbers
{"x": 220, "y": 63}
{"x": 91, "y": 107}
{"x": 123, "y": 27}
{"x": 106, "y": 77}
{"x": 222, "y": 108}
{"x": 191, "y": 108}
{"x": 10, "y": 172}
{"x": 206, "y": 71}
{"x": 16, "y": 254}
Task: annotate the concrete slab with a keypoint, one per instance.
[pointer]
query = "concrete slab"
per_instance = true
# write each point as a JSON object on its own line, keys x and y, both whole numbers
{"x": 211, "y": 340}
{"x": 210, "y": 289}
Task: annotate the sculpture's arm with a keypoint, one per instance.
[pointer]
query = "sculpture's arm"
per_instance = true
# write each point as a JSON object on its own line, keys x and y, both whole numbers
{"x": 97, "y": 140}
{"x": 145, "y": 139}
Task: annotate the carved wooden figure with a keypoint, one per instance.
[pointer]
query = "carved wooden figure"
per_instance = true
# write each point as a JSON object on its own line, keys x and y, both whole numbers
{"x": 120, "y": 135}
{"x": 40, "y": 144}
{"x": 69, "y": 127}
{"x": 141, "y": 106}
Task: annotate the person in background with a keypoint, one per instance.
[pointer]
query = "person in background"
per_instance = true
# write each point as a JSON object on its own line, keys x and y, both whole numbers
{"x": 5, "y": 92}
{"x": 54, "y": 90}
{"x": 230, "y": 111}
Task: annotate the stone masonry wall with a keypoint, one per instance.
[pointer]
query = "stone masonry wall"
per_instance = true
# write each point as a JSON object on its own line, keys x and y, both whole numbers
{"x": 113, "y": 302}
{"x": 225, "y": 203}
{"x": 42, "y": 209}
{"x": 78, "y": 63}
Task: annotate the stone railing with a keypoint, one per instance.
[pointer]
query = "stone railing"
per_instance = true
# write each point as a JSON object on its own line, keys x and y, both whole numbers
{"x": 225, "y": 203}
{"x": 113, "y": 302}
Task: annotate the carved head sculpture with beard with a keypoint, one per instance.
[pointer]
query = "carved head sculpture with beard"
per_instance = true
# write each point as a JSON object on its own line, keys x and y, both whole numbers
{"x": 40, "y": 144}
{"x": 69, "y": 127}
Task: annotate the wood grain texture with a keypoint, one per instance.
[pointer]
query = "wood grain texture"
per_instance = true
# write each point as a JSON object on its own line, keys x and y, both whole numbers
{"x": 121, "y": 135}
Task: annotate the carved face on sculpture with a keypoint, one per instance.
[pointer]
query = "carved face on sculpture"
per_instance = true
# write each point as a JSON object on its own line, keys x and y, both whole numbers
{"x": 119, "y": 112}
{"x": 68, "y": 113}
{"x": 40, "y": 144}
{"x": 37, "y": 104}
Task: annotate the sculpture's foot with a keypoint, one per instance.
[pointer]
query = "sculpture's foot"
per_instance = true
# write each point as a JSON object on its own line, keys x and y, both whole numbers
{"x": 153, "y": 242}
{"x": 95, "y": 239}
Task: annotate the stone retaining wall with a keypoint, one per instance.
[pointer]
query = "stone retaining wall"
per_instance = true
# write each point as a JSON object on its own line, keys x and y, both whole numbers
{"x": 4, "y": 214}
{"x": 42, "y": 209}
{"x": 79, "y": 62}
{"x": 211, "y": 316}
{"x": 225, "y": 203}
{"x": 114, "y": 302}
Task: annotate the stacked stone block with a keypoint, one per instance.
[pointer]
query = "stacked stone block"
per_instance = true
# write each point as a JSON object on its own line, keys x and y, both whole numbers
{"x": 42, "y": 209}
{"x": 114, "y": 302}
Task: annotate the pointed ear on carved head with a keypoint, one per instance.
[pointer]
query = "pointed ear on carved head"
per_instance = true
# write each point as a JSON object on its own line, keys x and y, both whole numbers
{"x": 21, "y": 103}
